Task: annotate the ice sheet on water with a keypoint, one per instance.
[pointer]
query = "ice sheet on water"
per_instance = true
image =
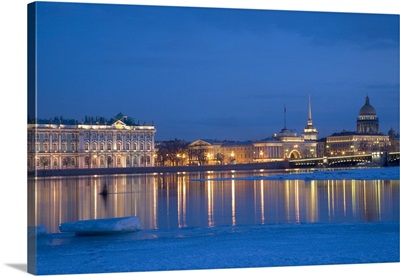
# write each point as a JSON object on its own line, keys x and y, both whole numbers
{"x": 385, "y": 173}
{"x": 102, "y": 226}
{"x": 222, "y": 247}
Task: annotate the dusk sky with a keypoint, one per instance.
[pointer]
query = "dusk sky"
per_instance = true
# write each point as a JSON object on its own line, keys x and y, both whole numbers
{"x": 214, "y": 72}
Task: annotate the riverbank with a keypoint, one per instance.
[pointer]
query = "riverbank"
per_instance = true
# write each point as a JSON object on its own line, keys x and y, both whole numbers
{"x": 278, "y": 165}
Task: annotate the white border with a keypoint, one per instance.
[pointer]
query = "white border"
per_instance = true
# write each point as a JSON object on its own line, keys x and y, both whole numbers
{"x": 13, "y": 107}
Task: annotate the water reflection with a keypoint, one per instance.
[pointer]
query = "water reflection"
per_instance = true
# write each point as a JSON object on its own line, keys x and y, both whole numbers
{"x": 175, "y": 201}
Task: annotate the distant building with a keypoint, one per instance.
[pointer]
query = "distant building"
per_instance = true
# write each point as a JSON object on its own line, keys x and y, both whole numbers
{"x": 365, "y": 140}
{"x": 237, "y": 152}
{"x": 94, "y": 143}
{"x": 204, "y": 151}
{"x": 283, "y": 145}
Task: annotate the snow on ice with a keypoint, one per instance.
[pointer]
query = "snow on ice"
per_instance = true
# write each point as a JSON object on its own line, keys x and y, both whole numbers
{"x": 102, "y": 226}
{"x": 386, "y": 173}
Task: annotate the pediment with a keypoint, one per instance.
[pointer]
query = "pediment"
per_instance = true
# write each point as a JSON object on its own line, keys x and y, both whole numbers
{"x": 119, "y": 124}
{"x": 200, "y": 143}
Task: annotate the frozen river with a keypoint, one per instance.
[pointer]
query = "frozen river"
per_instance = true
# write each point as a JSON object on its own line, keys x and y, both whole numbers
{"x": 221, "y": 220}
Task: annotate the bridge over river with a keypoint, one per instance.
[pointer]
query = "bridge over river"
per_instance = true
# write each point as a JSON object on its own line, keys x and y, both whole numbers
{"x": 374, "y": 159}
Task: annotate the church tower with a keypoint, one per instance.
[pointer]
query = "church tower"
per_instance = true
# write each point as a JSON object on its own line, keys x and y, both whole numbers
{"x": 310, "y": 132}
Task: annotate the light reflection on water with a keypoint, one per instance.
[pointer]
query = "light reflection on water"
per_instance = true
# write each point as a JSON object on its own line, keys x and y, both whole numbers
{"x": 173, "y": 201}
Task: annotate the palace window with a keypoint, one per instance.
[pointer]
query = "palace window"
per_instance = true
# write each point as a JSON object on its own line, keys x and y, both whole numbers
{"x": 94, "y": 146}
{"x": 55, "y": 147}
{"x": 128, "y": 160}
{"x": 55, "y": 162}
{"x": 148, "y": 146}
{"x": 128, "y": 146}
{"x": 101, "y": 135}
{"x": 118, "y": 160}
{"x": 64, "y": 146}
{"x": 109, "y": 146}
{"x": 102, "y": 146}
{"x": 102, "y": 161}
{"x": 86, "y": 146}
{"x": 46, "y": 147}
{"x": 141, "y": 146}
{"x": 119, "y": 136}
{"x": 73, "y": 147}
{"x": 135, "y": 146}
{"x": 73, "y": 162}
{"x": 118, "y": 146}
{"x": 37, "y": 147}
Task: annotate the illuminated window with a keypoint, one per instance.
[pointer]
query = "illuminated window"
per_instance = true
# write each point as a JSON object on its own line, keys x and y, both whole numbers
{"x": 86, "y": 146}
{"x": 109, "y": 146}
{"x": 102, "y": 146}
{"x": 94, "y": 146}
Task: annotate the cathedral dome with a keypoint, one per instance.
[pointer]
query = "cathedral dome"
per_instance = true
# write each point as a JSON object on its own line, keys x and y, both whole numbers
{"x": 367, "y": 109}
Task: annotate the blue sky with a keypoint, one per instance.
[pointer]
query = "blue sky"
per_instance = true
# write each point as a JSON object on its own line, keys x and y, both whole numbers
{"x": 216, "y": 73}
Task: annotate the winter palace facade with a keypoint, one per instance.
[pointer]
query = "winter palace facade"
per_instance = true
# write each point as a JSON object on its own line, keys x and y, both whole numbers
{"x": 114, "y": 143}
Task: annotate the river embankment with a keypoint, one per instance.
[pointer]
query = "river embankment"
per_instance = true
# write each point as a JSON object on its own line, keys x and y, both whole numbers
{"x": 279, "y": 165}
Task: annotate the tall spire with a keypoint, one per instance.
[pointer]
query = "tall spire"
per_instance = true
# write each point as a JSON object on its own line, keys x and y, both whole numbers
{"x": 284, "y": 117}
{"x": 310, "y": 132}
{"x": 309, "y": 111}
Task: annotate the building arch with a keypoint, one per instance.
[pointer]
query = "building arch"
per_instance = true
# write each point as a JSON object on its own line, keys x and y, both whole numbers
{"x": 294, "y": 154}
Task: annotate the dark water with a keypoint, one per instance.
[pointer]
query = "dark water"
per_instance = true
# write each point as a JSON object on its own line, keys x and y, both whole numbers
{"x": 172, "y": 201}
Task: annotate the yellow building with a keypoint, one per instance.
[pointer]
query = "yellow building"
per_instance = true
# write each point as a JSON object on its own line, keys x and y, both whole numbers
{"x": 204, "y": 152}
{"x": 237, "y": 152}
